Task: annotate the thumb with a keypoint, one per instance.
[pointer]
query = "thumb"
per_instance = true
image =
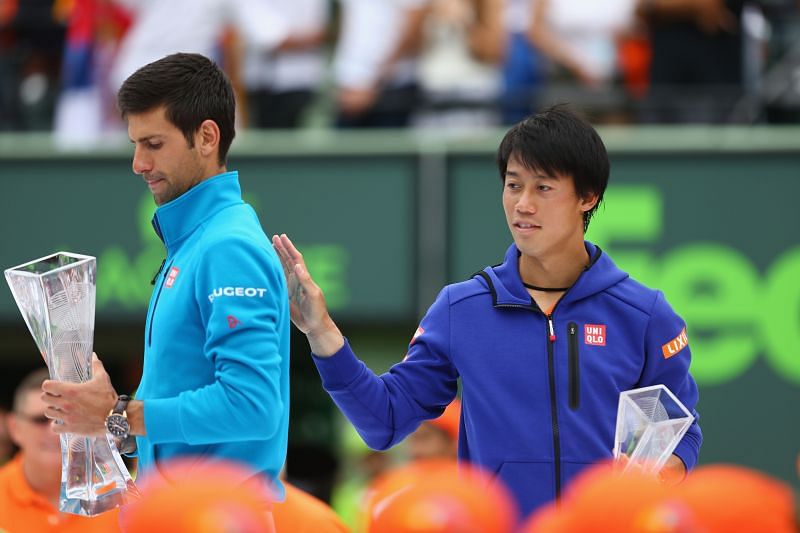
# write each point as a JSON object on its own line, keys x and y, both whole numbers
{"x": 97, "y": 366}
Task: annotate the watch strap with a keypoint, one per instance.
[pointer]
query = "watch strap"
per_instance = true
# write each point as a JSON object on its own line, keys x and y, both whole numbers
{"x": 121, "y": 405}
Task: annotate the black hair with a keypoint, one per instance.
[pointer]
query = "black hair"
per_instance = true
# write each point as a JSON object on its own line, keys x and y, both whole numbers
{"x": 558, "y": 141}
{"x": 191, "y": 87}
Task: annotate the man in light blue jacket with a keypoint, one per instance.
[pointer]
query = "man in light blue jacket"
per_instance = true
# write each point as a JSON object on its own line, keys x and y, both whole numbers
{"x": 215, "y": 382}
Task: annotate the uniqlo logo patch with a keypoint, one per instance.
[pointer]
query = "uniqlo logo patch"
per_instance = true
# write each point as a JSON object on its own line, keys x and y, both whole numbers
{"x": 594, "y": 334}
{"x": 171, "y": 277}
{"x": 674, "y": 346}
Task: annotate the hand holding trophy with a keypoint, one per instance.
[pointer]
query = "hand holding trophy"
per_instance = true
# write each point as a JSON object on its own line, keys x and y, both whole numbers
{"x": 651, "y": 422}
{"x": 56, "y": 296}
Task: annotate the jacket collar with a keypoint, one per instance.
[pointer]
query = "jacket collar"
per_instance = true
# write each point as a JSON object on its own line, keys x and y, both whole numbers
{"x": 177, "y": 219}
{"x": 505, "y": 282}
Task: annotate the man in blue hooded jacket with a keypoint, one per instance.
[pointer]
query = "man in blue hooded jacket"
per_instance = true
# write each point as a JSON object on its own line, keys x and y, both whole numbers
{"x": 543, "y": 343}
{"x": 215, "y": 381}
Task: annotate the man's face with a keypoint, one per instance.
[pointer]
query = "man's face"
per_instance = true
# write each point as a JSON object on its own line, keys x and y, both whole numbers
{"x": 543, "y": 212}
{"x": 162, "y": 156}
{"x": 30, "y": 430}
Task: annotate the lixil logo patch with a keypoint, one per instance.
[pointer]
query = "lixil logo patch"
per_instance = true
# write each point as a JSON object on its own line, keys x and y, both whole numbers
{"x": 674, "y": 346}
{"x": 594, "y": 334}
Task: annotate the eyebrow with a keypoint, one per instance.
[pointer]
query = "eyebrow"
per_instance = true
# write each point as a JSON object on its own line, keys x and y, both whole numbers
{"x": 145, "y": 138}
{"x": 535, "y": 176}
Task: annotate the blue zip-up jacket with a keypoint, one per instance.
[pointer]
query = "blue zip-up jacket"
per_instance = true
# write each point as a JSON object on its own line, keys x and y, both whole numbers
{"x": 215, "y": 382}
{"x": 538, "y": 404}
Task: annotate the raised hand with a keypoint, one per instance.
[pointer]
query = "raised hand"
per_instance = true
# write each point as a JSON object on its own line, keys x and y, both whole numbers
{"x": 307, "y": 302}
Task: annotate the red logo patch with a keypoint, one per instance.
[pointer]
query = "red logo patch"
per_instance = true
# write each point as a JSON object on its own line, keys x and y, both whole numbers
{"x": 171, "y": 277}
{"x": 594, "y": 334}
{"x": 417, "y": 333}
{"x": 233, "y": 321}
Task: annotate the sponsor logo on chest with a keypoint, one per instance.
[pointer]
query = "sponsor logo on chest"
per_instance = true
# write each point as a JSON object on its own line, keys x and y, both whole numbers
{"x": 171, "y": 277}
{"x": 241, "y": 292}
{"x": 594, "y": 334}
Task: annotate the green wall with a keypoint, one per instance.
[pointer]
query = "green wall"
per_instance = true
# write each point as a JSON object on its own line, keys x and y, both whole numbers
{"x": 385, "y": 218}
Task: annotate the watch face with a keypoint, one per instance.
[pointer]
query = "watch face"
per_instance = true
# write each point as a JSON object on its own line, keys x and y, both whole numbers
{"x": 117, "y": 425}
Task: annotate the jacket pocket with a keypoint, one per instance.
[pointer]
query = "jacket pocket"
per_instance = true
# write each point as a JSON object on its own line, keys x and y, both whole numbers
{"x": 532, "y": 484}
{"x": 574, "y": 367}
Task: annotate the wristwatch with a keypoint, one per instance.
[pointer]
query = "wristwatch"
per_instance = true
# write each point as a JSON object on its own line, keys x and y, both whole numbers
{"x": 117, "y": 420}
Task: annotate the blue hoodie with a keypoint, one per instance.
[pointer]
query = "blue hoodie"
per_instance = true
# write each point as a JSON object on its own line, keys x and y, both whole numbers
{"x": 539, "y": 394}
{"x": 215, "y": 382}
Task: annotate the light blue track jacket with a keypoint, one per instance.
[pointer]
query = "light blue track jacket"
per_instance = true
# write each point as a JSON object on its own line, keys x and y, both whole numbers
{"x": 215, "y": 382}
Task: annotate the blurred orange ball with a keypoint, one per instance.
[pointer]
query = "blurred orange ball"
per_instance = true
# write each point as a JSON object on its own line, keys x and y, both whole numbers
{"x": 439, "y": 496}
{"x": 736, "y": 498}
{"x": 207, "y": 498}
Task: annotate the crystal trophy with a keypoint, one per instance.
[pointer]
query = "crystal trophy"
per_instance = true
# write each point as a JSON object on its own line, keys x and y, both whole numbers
{"x": 651, "y": 421}
{"x": 56, "y": 295}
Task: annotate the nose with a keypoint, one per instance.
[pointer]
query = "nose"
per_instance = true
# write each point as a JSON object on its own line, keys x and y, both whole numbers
{"x": 526, "y": 203}
{"x": 141, "y": 162}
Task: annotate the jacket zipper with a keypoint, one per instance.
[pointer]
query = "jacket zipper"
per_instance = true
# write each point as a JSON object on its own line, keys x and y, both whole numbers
{"x": 155, "y": 304}
{"x": 574, "y": 367}
{"x": 551, "y": 339}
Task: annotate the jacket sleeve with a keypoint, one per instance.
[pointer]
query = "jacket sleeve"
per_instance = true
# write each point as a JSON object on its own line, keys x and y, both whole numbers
{"x": 386, "y": 408}
{"x": 668, "y": 357}
{"x": 241, "y": 292}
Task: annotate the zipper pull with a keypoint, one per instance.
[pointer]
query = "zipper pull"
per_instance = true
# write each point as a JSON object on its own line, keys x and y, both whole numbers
{"x": 550, "y": 326}
{"x": 153, "y": 281}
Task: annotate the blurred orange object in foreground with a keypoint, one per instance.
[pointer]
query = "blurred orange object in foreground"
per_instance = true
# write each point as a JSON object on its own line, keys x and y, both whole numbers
{"x": 201, "y": 498}
{"x": 439, "y": 496}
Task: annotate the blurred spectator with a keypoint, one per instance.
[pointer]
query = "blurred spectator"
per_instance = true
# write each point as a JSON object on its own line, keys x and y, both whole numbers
{"x": 31, "y": 44}
{"x": 280, "y": 84}
{"x": 375, "y": 62}
{"x": 301, "y": 512}
{"x": 523, "y": 69}
{"x": 163, "y": 27}
{"x": 31, "y": 483}
{"x": 362, "y": 467}
{"x": 580, "y": 39}
{"x": 696, "y": 74}
{"x": 459, "y": 69}
{"x": 6, "y": 444}
{"x": 440, "y": 496}
{"x": 201, "y": 497}
{"x": 437, "y": 438}
{"x": 86, "y": 105}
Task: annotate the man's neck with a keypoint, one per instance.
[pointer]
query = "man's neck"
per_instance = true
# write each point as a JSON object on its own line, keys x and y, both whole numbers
{"x": 554, "y": 270}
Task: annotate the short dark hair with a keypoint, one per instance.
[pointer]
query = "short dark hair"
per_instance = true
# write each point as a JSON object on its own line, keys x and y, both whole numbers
{"x": 558, "y": 141}
{"x": 191, "y": 87}
{"x": 30, "y": 383}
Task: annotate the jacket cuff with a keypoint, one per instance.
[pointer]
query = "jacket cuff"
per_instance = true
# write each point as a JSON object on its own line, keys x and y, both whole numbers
{"x": 340, "y": 369}
{"x": 162, "y": 420}
{"x": 687, "y": 453}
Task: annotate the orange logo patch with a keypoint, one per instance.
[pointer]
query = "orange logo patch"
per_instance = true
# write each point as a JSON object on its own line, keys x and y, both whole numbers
{"x": 674, "y": 346}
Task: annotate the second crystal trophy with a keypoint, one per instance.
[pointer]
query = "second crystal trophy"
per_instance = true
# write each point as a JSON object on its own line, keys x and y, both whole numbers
{"x": 56, "y": 296}
{"x": 651, "y": 421}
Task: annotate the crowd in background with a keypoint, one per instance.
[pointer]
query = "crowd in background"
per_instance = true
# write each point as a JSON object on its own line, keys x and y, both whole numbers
{"x": 398, "y": 63}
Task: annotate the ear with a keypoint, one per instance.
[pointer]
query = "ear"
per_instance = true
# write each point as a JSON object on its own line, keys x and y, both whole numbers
{"x": 13, "y": 429}
{"x": 588, "y": 202}
{"x": 207, "y": 139}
